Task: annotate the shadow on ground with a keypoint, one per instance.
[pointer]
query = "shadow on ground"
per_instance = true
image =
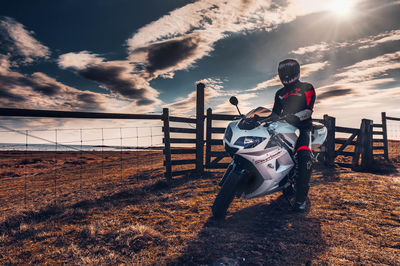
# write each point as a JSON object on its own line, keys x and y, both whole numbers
{"x": 381, "y": 166}
{"x": 264, "y": 234}
{"x": 78, "y": 212}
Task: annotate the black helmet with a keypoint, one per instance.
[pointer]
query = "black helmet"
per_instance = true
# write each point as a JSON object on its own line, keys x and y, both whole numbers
{"x": 289, "y": 71}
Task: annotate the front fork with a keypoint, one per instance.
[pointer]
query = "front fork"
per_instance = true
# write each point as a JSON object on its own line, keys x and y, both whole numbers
{"x": 228, "y": 170}
{"x": 232, "y": 167}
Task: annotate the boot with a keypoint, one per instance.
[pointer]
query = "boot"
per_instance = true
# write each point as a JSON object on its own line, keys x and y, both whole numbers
{"x": 300, "y": 206}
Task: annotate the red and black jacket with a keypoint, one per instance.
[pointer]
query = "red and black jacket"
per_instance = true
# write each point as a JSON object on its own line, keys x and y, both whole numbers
{"x": 296, "y": 99}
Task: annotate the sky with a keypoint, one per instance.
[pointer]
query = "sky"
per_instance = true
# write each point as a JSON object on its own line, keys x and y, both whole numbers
{"x": 140, "y": 56}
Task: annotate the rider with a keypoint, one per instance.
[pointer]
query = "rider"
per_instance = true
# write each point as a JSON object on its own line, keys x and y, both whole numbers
{"x": 295, "y": 101}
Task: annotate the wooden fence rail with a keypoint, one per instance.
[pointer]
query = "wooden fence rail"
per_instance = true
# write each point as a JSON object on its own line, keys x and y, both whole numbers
{"x": 380, "y": 130}
{"x": 72, "y": 114}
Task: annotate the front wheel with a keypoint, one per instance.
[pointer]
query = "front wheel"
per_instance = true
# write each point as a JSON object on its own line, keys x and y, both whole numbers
{"x": 225, "y": 195}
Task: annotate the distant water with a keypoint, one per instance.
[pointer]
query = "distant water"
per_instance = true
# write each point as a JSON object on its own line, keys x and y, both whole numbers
{"x": 53, "y": 147}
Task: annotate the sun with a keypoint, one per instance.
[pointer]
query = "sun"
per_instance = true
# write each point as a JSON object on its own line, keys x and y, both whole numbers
{"x": 342, "y": 7}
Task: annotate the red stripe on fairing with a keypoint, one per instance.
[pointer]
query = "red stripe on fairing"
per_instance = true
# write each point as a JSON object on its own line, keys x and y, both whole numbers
{"x": 309, "y": 94}
{"x": 304, "y": 148}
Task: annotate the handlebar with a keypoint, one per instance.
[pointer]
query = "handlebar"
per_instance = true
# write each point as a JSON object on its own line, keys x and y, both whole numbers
{"x": 271, "y": 120}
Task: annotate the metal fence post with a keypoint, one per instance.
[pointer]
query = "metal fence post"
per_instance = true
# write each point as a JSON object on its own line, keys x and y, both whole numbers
{"x": 200, "y": 128}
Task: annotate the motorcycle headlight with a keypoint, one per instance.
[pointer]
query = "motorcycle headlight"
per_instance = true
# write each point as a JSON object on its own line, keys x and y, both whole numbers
{"x": 249, "y": 142}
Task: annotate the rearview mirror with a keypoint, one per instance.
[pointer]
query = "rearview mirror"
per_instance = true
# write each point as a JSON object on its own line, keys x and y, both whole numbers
{"x": 233, "y": 100}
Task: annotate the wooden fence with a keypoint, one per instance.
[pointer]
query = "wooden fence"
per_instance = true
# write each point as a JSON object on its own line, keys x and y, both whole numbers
{"x": 362, "y": 139}
{"x": 198, "y": 139}
{"x": 170, "y": 151}
{"x": 213, "y": 158}
{"x": 359, "y": 138}
{"x": 381, "y": 130}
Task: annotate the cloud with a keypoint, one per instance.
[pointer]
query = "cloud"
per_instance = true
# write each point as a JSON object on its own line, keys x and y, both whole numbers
{"x": 357, "y": 104}
{"x": 308, "y": 69}
{"x": 202, "y": 16}
{"x": 120, "y": 77}
{"x": 38, "y": 82}
{"x": 165, "y": 54}
{"x": 333, "y": 91}
{"x": 17, "y": 40}
{"x": 174, "y": 42}
{"x": 305, "y": 71}
{"x": 359, "y": 88}
{"x": 177, "y": 40}
{"x": 275, "y": 81}
{"x": 372, "y": 41}
{"x": 79, "y": 60}
{"x": 320, "y": 47}
{"x": 369, "y": 69}
{"x": 361, "y": 78}
{"x": 38, "y": 91}
{"x": 244, "y": 104}
{"x": 186, "y": 105}
{"x": 362, "y": 43}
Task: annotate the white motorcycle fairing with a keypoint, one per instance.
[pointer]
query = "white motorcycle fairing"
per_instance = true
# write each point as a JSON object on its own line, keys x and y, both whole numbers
{"x": 270, "y": 159}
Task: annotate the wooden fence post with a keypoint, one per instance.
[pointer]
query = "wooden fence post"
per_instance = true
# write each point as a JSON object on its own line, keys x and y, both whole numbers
{"x": 200, "y": 128}
{"x": 385, "y": 140}
{"x": 208, "y": 137}
{"x": 330, "y": 141}
{"x": 167, "y": 143}
{"x": 366, "y": 143}
{"x": 357, "y": 149}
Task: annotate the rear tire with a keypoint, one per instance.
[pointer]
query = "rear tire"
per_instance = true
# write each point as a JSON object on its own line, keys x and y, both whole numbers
{"x": 225, "y": 195}
{"x": 289, "y": 192}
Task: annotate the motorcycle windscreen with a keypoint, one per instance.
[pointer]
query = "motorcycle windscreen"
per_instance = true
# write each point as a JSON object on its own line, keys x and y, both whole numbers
{"x": 259, "y": 112}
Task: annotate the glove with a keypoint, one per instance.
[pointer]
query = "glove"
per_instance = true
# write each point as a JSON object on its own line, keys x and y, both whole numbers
{"x": 292, "y": 119}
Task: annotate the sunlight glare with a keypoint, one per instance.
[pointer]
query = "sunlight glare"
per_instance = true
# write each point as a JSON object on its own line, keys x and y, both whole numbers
{"x": 341, "y": 7}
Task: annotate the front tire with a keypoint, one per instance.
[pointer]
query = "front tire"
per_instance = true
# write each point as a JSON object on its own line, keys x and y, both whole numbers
{"x": 225, "y": 195}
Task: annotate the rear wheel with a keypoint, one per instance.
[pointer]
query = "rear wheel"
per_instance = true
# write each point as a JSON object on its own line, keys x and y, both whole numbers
{"x": 225, "y": 195}
{"x": 289, "y": 191}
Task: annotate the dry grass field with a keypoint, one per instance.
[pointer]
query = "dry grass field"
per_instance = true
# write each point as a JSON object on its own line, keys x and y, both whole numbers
{"x": 132, "y": 216}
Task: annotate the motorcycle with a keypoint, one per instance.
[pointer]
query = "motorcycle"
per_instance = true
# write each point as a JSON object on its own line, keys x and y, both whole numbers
{"x": 263, "y": 157}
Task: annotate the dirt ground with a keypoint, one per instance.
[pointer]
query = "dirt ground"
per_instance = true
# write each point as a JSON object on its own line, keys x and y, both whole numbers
{"x": 133, "y": 216}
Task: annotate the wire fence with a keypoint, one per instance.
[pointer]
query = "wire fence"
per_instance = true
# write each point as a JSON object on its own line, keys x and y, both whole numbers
{"x": 393, "y": 134}
{"x": 41, "y": 166}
